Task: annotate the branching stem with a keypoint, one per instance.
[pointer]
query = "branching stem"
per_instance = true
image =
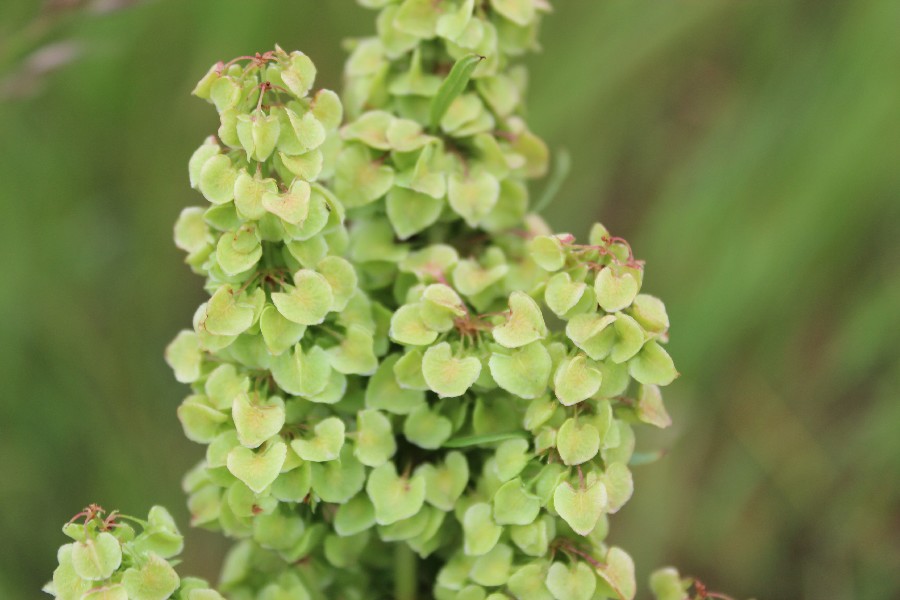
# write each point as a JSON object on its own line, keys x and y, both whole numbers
{"x": 405, "y": 573}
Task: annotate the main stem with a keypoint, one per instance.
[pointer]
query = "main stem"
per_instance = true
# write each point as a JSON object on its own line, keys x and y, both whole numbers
{"x": 406, "y": 582}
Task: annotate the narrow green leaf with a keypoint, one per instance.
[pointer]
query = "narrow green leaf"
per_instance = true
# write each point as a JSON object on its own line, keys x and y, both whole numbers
{"x": 476, "y": 440}
{"x": 453, "y": 86}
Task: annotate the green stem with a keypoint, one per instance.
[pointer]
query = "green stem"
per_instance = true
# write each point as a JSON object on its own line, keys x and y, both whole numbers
{"x": 405, "y": 576}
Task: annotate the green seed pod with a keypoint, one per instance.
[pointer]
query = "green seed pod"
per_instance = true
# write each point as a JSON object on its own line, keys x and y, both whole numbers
{"x": 394, "y": 497}
{"x": 581, "y": 506}
{"x": 666, "y": 584}
{"x": 576, "y": 379}
{"x": 524, "y": 325}
{"x": 523, "y": 371}
{"x": 257, "y": 469}
{"x": 325, "y": 443}
{"x": 575, "y": 583}
{"x": 448, "y": 375}
{"x": 577, "y": 442}
{"x": 617, "y": 574}
{"x": 97, "y": 558}
{"x": 154, "y": 580}
{"x": 481, "y": 532}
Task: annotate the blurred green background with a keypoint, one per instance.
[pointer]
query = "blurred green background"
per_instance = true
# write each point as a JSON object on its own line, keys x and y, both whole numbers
{"x": 748, "y": 149}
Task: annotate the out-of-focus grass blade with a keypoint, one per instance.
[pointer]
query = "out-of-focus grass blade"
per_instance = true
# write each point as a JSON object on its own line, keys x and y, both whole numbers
{"x": 560, "y": 171}
{"x": 453, "y": 86}
{"x": 646, "y": 458}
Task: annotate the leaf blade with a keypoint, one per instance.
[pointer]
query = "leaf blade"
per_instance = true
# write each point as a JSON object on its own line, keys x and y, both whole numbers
{"x": 474, "y": 440}
{"x": 453, "y": 86}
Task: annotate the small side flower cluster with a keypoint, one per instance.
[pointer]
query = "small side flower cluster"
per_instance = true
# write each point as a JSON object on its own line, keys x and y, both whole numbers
{"x": 116, "y": 557}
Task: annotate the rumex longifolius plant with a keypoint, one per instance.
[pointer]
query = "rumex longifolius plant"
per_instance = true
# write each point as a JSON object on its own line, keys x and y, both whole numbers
{"x": 406, "y": 384}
